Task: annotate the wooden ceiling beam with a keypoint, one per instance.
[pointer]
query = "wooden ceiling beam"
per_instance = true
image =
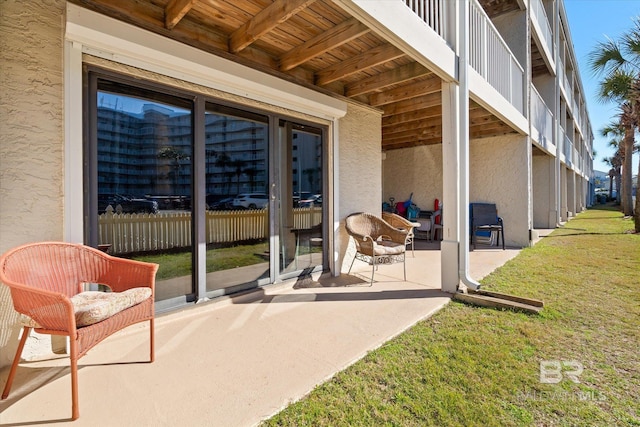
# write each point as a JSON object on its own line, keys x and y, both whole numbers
{"x": 337, "y": 36}
{"x": 266, "y": 20}
{"x": 423, "y": 87}
{"x": 411, "y": 142}
{"x": 175, "y": 11}
{"x": 369, "y": 59}
{"x": 408, "y": 105}
{"x": 408, "y": 126}
{"x": 415, "y": 133}
{"x": 413, "y": 116}
{"x": 388, "y": 78}
{"x": 491, "y": 132}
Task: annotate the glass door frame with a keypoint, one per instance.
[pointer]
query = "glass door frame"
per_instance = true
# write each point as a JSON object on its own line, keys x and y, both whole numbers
{"x": 199, "y": 292}
{"x": 289, "y": 125}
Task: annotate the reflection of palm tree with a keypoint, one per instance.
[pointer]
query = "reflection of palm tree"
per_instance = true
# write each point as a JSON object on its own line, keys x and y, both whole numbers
{"x": 311, "y": 176}
{"x": 175, "y": 156}
{"x": 251, "y": 173}
{"x": 222, "y": 161}
{"x": 237, "y": 165}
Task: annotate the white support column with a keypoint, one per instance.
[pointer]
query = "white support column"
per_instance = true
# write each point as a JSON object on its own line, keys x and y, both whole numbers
{"x": 449, "y": 248}
{"x": 73, "y": 167}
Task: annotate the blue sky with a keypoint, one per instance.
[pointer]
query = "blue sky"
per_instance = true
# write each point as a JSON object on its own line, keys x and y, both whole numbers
{"x": 590, "y": 21}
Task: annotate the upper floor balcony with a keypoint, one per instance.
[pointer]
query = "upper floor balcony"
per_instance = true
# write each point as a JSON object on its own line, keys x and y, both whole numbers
{"x": 393, "y": 55}
{"x": 542, "y": 33}
{"x": 541, "y": 121}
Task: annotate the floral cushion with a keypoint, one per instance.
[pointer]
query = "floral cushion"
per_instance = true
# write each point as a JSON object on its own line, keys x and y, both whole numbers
{"x": 94, "y": 306}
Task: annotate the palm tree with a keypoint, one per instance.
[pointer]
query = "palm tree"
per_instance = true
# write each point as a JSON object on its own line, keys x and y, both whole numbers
{"x": 614, "y": 174}
{"x": 616, "y": 131}
{"x": 619, "y": 63}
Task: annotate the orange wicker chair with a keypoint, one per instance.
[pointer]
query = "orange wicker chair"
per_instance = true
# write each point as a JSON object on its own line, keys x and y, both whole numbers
{"x": 43, "y": 278}
{"x": 377, "y": 242}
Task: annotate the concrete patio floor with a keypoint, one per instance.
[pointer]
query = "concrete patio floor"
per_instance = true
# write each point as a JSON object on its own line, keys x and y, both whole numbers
{"x": 238, "y": 360}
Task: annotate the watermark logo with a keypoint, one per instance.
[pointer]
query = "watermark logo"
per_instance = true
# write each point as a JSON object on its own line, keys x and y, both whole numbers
{"x": 554, "y": 371}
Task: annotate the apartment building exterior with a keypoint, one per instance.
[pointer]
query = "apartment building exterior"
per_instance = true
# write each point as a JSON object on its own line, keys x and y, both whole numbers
{"x": 354, "y": 101}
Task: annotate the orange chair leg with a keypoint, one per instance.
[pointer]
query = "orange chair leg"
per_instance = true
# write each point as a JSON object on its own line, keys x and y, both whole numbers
{"x": 75, "y": 410}
{"x": 16, "y": 360}
{"x": 152, "y": 354}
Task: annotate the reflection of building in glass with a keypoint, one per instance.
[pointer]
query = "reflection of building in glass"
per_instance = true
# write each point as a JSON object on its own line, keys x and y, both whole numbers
{"x": 146, "y": 153}
{"x": 307, "y": 162}
{"x": 149, "y": 153}
{"x": 236, "y": 155}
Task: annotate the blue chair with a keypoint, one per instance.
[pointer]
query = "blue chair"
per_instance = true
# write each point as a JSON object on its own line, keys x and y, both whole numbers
{"x": 484, "y": 217}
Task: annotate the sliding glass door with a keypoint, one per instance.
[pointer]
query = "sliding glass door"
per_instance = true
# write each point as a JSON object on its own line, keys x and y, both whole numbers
{"x": 300, "y": 154}
{"x": 140, "y": 196}
{"x": 224, "y": 198}
{"x": 237, "y": 203}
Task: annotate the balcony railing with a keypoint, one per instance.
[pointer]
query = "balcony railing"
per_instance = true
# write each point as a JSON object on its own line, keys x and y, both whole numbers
{"x": 539, "y": 14}
{"x": 542, "y": 118}
{"x": 567, "y": 150}
{"x": 491, "y": 57}
{"x": 568, "y": 89}
{"x": 433, "y": 12}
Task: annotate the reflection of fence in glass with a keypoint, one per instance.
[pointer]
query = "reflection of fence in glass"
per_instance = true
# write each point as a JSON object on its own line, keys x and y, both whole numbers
{"x": 130, "y": 233}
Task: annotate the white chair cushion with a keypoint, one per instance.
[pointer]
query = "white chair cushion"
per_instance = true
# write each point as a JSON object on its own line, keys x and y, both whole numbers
{"x": 385, "y": 247}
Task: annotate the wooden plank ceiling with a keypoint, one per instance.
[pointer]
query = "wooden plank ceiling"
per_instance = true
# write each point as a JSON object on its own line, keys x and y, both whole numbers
{"x": 313, "y": 43}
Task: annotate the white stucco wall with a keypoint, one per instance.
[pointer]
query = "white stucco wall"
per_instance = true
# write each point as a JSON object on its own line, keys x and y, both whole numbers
{"x": 512, "y": 26}
{"x": 359, "y": 180}
{"x": 31, "y": 131}
{"x": 544, "y": 193}
{"x": 563, "y": 193}
{"x": 499, "y": 173}
{"x": 416, "y": 170}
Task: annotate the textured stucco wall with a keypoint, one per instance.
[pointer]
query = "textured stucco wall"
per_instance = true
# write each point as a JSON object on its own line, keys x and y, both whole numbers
{"x": 499, "y": 173}
{"x": 544, "y": 210}
{"x": 416, "y": 170}
{"x": 31, "y": 131}
{"x": 512, "y": 26}
{"x": 546, "y": 86}
{"x": 563, "y": 193}
{"x": 360, "y": 181}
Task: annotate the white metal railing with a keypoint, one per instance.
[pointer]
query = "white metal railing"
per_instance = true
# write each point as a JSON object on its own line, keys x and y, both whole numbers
{"x": 491, "y": 57}
{"x": 129, "y": 233}
{"x": 560, "y": 70}
{"x": 542, "y": 118}
{"x": 576, "y": 112}
{"x": 540, "y": 15}
{"x": 567, "y": 149}
{"x": 568, "y": 90}
{"x": 432, "y": 12}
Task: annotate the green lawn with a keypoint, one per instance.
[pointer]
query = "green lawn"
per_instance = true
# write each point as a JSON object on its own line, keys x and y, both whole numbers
{"x": 471, "y": 366}
{"x": 179, "y": 264}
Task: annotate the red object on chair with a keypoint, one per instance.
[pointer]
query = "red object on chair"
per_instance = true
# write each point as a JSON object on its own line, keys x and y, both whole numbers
{"x": 436, "y": 207}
